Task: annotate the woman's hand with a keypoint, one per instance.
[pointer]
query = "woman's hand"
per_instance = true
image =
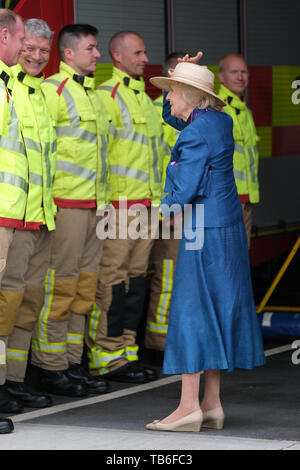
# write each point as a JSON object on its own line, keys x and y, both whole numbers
{"x": 193, "y": 60}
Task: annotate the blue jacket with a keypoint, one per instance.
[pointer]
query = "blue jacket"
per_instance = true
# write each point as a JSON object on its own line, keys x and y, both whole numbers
{"x": 201, "y": 169}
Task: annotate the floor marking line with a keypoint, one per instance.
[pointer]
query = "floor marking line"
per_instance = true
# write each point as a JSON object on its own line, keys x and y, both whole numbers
{"x": 118, "y": 394}
{"x": 278, "y": 350}
{"x": 93, "y": 400}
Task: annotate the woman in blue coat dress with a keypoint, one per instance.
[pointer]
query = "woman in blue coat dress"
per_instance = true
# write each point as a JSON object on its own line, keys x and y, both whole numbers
{"x": 213, "y": 322}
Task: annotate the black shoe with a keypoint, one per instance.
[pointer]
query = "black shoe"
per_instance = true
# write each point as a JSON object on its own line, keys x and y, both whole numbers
{"x": 8, "y": 404}
{"x": 26, "y": 396}
{"x": 6, "y": 426}
{"x": 150, "y": 373}
{"x": 94, "y": 385}
{"x": 58, "y": 383}
{"x": 129, "y": 374}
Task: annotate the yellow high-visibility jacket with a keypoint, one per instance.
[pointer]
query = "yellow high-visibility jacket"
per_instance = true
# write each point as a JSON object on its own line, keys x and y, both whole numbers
{"x": 38, "y": 128}
{"x": 13, "y": 159}
{"x": 245, "y": 157}
{"x": 170, "y": 135}
{"x": 136, "y": 141}
{"x": 82, "y": 135}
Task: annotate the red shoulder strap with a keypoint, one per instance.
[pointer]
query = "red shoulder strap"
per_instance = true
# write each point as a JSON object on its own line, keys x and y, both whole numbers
{"x": 61, "y": 87}
{"x": 114, "y": 92}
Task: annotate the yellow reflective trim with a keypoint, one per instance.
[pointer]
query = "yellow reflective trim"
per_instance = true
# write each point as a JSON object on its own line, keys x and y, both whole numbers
{"x": 94, "y": 321}
{"x": 17, "y": 355}
{"x": 166, "y": 291}
{"x": 53, "y": 348}
{"x": 155, "y": 328}
{"x": 43, "y": 318}
{"x": 99, "y": 358}
{"x": 75, "y": 338}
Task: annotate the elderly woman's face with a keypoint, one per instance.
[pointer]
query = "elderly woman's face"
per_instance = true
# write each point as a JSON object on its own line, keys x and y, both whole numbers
{"x": 179, "y": 107}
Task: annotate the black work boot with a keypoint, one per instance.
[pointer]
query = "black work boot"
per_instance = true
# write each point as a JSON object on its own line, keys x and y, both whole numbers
{"x": 58, "y": 383}
{"x": 8, "y": 404}
{"x": 94, "y": 385}
{"x": 25, "y": 395}
{"x": 6, "y": 426}
{"x": 128, "y": 374}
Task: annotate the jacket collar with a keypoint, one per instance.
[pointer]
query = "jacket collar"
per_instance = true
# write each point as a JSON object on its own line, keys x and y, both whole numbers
{"x": 231, "y": 98}
{"x": 136, "y": 85}
{"x": 87, "y": 82}
{"x": 33, "y": 83}
{"x": 5, "y": 73}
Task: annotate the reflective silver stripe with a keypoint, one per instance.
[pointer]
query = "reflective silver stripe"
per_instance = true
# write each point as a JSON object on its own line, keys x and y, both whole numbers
{"x": 155, "y": 160}
{"x": 94, "y": 321}
{"x": 166, "y": 289}
{"x": 129, "y": 173}
{"x": 103, "y": 159}
{"x": 105, "y": 358}
{"x": 160, "y": 105}
{"x": 32, "y": 144}
{"x": 14, "y": 180}
{"x": 166, "y": 147}
{"x": 13, "y": 127}
{"x": 18, "y": 355}
{"x": 95, "y": 356}
{"x": 76, "y": 170}
{"x": 12, "y": 145}
{"x": 74, "y": 129}
{"x": 36, "y": 179}
{"x": 50, "y": 347}
{"x": 255, "y": 148}
{"x": 76, "y": 132}
{"x": 252, "y": 165}
{"x": 49, "y": 288}
{"x": 240, "y": 175}
{"x": 128, "y": 132}
{"x": 71, "y": 107}
{"x": 48, "y": 164}
{"x": 239, "y": 148}
{"x": 74, "y": 338}
{"x": 158, "y": 328}
{"x": 53, "y": 146}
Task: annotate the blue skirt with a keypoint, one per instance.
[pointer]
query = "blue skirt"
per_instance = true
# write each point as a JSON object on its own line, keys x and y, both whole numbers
{"x": 213, "y": 322}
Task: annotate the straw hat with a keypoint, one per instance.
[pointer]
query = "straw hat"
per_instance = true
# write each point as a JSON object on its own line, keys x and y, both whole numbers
{"x": 191, "y": 74}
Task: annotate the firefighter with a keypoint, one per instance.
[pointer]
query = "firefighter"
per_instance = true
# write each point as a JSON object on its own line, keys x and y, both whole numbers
{"x": 234, "y": 77}
{"x": 164, "y": 251}
{"x": 13, "y": 172}
{"x": 135, "y": 156}
{"x": 22, "y": 291}
{"x": 79, "y": 189}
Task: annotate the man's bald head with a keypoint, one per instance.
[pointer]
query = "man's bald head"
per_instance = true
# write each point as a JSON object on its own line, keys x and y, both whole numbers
{"x": 233, "y": 73}
{"x": 128, "y": 52}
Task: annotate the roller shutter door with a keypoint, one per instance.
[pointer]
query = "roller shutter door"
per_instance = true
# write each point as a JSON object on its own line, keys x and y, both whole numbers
{"x": 110, "y": 16}
{"x": 272, "y": 28}
{"x": 212, "y": 27}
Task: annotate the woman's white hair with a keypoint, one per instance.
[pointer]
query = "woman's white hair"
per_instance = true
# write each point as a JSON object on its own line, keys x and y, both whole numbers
{"x": 194, "y": 96}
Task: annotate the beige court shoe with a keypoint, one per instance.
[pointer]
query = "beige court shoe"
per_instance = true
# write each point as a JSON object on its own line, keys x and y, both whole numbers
{"x": 191, "y": 422}
{"x": 213, "y": 419}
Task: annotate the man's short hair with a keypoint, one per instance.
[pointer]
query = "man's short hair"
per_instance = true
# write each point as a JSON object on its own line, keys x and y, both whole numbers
{"x": 118, "y": 37}
{"x": 39, "y": 28}
{"x": 8, "y": 19}
{"x": 170, "y": 59}
{"x": 71, "y": 34}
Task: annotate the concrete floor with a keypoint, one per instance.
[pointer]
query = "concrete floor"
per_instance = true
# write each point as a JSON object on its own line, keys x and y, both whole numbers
{"x": 262, "y": 409}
